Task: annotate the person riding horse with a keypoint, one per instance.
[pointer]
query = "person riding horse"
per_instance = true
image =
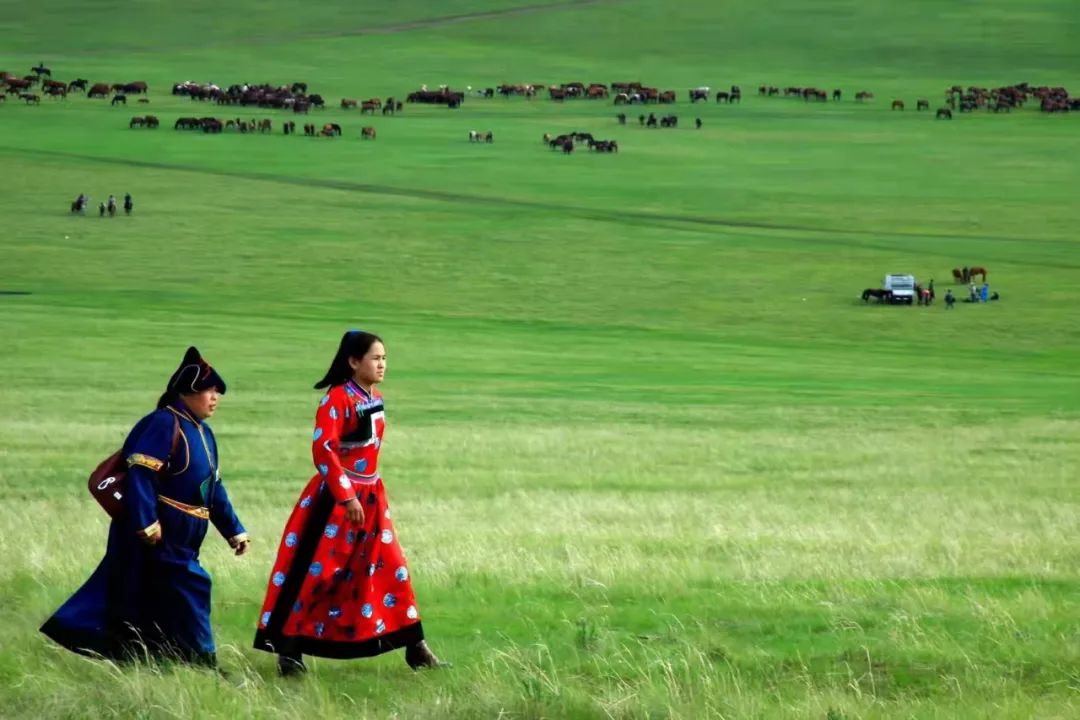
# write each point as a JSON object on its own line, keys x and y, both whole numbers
{"x": 128, "y": 204}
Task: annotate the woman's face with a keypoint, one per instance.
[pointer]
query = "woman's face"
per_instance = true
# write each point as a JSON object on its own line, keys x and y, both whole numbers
{"x": 370, "y": 369}
{"x": 201, "y": 404}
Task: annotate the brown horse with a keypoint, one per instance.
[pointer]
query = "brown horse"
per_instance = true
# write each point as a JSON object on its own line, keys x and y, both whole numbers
{"x": 347, "y": 103}
{"x": 897, "y": 104}
{"x": 958, "y": 275}
{"x": 973, "y": 271}
{"x": 367, "y": 133}
{"x": 881, "y": 295}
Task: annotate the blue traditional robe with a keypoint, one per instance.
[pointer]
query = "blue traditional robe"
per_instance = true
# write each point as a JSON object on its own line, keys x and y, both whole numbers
{"x": 155, "y": 599}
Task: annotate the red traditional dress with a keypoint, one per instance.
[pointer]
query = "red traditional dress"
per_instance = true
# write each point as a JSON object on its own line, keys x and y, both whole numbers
{"x": 336, "y": 589}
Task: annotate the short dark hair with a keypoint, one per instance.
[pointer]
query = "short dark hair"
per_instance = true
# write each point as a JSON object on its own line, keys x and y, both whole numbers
{"x": 354, "y": 343}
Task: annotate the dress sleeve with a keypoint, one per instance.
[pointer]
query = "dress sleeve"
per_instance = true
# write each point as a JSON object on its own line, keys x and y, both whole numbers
{"x": 221, "y": 510}
{"x": 329, "y": 420}
{"x": 146, "y": 452}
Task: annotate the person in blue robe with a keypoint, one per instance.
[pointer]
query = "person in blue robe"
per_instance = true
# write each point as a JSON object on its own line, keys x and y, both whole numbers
{"x": 149, "y": 597}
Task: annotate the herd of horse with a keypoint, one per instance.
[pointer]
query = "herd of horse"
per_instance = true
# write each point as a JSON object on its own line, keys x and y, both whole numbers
{"x": 294, "y": 96}
{"x": 566, "y": 142}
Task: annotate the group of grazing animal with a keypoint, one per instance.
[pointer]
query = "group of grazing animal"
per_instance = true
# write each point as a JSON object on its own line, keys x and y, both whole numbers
{"x": 389, "y": 107}
{"x": 967, "y": 274}
{"x": 144, "y": 121}
{"x": 477, "y": 136}
{"x": 668, "y": 121}
{"x": 566, "y": 142}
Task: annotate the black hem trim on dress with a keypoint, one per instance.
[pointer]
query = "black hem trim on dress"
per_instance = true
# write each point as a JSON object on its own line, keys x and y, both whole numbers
{"x": 339, "y": 649}
{"x": 93, "y": 645}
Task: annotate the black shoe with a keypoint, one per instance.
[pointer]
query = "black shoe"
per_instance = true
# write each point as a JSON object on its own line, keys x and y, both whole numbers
{"x": 420, "y": 657}
{"x": 291, "y": 665}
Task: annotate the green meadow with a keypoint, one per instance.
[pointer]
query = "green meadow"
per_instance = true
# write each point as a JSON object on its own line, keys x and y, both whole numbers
{"x": 649, "y": 453}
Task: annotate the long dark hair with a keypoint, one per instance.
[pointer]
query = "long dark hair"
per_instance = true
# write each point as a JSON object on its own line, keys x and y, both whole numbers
{"x": 354, "y": 344}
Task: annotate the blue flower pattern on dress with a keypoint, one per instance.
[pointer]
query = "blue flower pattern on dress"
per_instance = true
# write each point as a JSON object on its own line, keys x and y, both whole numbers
{"x": 380, "y": 627}
{"x": 265, "y": 618}
{"x": 350, "y": 537}
{"x": 389, "y": 600}
{"x": 402, "y": 573}
{"x": 306, "y": 501}
{"x": 331, "y": 531}
{"x": 360, "y": 465}
{"x": 279, "y": 579}
{"x": 297, "y": 606}
{"x": 320, "y": 628}
{"x": 387, "y": 537}
{"x": 315, "y": 569}
{"x": 324, "y": 470}
{"x": 333, "y": 413}
{"x": 291, "y": 540}
{"x": 366, "y": 610}
{"x": 317, "y": 434}
{"x": 334, "y": 612}
{"x": 325, "y": 399}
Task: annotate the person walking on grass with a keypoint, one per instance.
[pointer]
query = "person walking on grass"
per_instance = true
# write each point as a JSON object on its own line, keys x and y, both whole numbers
{"x": 950, "y": 299}
{"x": 150, "y": 596}
{"x": 129, "y": 205}
{"x": 340, "y": 587}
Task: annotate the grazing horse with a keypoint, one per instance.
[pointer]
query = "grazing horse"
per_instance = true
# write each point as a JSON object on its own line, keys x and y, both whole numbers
{"x": 973, "y": 271}
{"x": 77, "y": 84}
{"x": 474, "y": 136}
{"x": 621, "y": 117}
{"x": 368, "y": 107}
{"x": 922, "y": 104}
{"x": 347, "y": 103}
{"x": 119, "y": 99}
{"x": 863, "y": 96}
{"x": 897, "y": 104}
{"x": 367, "y": 133}
{"x": 881, "y": 295}
{"x": 40, "y": 70}
{"x": 958, "y": 276}
{"x": 836, "y": 94}
{"x": 31, "y": 98}
{"x": 943, "y": 114}
{"x": 489, "y": 137}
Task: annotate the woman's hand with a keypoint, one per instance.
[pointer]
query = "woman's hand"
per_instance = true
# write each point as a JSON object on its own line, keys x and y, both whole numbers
{"x": 354, "y": 512}
{"x": 241, "y": 547}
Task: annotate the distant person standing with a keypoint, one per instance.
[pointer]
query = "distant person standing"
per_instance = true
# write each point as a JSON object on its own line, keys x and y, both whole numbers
{"x": 930, "y": 287}
{"x": 950, "y": 300}
{"x": 973, "y": 293}
{"x": 112, "y": 205}
{"x": 101, "y": 209}
{"x": 129, "y": 205}
{"x": 985, "y": 293}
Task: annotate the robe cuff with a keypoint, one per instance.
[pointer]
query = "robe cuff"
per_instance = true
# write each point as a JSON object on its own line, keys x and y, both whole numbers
{"x": 235, "y": 540}
{"x": 150, "y": 532}
{"x": 146, "y": 461}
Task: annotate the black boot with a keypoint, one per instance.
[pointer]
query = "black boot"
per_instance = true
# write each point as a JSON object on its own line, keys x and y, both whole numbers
{"x": 289, "y": 665}
{"x": 420, "y": 657}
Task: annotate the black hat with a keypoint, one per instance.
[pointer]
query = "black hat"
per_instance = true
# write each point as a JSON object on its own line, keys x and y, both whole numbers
{"x": 194, "y": 375}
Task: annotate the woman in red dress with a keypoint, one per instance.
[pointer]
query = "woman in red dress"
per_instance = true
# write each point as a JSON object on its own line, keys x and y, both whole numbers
{"x": 340, "y": 587}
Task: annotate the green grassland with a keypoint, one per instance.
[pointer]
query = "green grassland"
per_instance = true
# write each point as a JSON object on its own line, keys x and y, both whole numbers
{"x": 649, "y": 453}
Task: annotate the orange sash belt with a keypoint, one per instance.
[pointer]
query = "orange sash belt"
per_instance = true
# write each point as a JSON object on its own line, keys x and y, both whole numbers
{"x": 198, "y": 511}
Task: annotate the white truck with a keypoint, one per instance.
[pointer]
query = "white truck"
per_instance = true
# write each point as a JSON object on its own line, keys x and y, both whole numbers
{"x": 901, "y": 288}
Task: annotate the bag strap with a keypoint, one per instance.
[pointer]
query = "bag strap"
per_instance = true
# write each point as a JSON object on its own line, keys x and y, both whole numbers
{"x": 175, "y": 443}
